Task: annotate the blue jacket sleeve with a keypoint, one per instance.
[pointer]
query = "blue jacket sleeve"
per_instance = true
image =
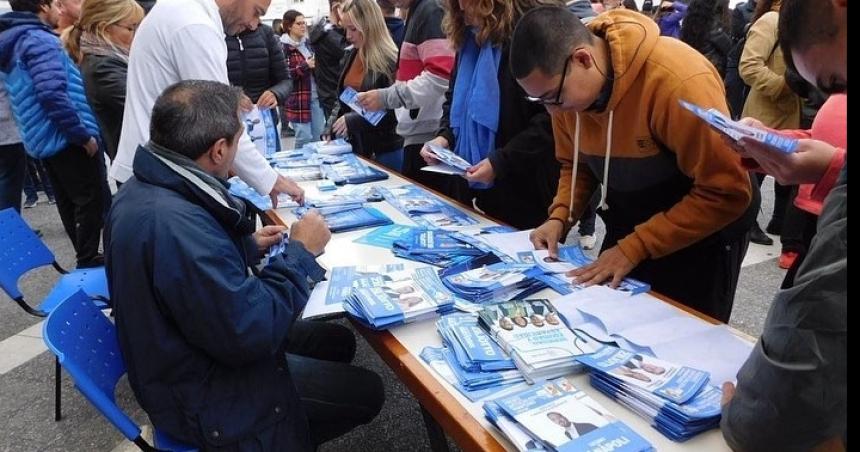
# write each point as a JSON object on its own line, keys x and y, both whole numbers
{"x": 43, "y": 58}
{"x": 219, "y": 306}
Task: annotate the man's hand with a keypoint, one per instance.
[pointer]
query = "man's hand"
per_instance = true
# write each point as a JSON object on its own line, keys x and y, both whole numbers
{"x": 245, "y": 104}
{"x": 339, "y": 128}
{"x": 427, "y": 155}
{"x": 268, "y": 236}
{"x": 312, "y": 232}
{"x": 288, "y": 186}
{"x": 547, "y": 236}
{"x": 370, "y": 100}
{"x": 91, "y": 146}
{"x": 267, "y": 100}
{"x": 482, "y": 172}
{"x": 806, "y": 165}
{"x": 612, "y": 263}
{"x": 728, "y": 393}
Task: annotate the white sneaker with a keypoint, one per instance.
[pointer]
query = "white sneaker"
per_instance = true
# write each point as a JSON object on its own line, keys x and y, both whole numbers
{"x": 587, "y": 242}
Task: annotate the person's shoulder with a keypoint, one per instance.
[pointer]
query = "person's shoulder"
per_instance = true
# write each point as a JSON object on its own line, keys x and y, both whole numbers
{"x": 674, "y": 62}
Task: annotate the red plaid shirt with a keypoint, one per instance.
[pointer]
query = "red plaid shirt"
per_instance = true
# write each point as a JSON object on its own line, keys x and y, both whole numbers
{"x": 298, "y": 104}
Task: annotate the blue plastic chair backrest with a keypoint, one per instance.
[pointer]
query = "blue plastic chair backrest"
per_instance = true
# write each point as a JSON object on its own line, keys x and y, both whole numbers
{"x": 20, "y": 251}
{"x": 85, "y": 342}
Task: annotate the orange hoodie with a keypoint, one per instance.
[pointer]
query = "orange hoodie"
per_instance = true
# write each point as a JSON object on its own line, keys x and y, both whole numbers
{"x": 672, "y": 181}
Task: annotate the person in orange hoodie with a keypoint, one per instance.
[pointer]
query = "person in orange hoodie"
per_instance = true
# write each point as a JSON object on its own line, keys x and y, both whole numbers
{"x": 675, "y": 199}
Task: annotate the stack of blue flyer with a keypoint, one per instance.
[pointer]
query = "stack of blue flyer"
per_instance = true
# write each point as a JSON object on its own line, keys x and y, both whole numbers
{"x": 439, "y": 359}
{"x": 570, "y": 258}
{"x": 498, "y": 281}
{"x": 349, "y": 96}
{"x": 435, "y": 247}
{"x": 557, "y": 416}
{"x": 677, "y": 398}
{"x": 737, "y": 130}
{"x": 240, "y": 189}
{"x": 419, "y": 296}
{"x": 351, "y": 170}
{"x": 425, "y": 209}
{"x": 678, "y": 422}
{"x": 348, "y": 218}
{"x": 333, "y": 147}
{"x": 532, "y": 333}
{"x": 473, "y": 347}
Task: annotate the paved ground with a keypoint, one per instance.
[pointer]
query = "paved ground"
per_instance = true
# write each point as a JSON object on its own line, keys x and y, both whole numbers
{"x": 26, "y": 370}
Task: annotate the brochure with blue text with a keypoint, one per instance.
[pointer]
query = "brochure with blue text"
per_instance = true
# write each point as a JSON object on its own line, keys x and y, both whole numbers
{"x": 736, "y": 130}
{"x": 450, "y": 163}
{"x": 385, "y": 236}
{"x": 262, "y": 131}
{"x": 351, "y": 170}
{"x": 673, "y": 382}
{"x": 334, "y": 147}
{"x": 435, "y": 358}
{"x": 349, "y": 96}
{"x": 571, "y": 258}
{"x": 240, "y": 189}
{"x": 473, "y": 347}
{"x": 339, "y": 220}
{"x": 425, "y": 209}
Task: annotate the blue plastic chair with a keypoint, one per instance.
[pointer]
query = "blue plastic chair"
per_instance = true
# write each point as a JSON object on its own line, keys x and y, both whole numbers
{"x": 21, "y": 251}
{"x": 85, "y": 343}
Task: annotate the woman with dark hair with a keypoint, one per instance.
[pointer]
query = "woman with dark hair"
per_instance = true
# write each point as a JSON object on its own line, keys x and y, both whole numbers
{"x": 487, "y": 120}
{"x": 303, "y": 111}
{"x": 704, "y": 29}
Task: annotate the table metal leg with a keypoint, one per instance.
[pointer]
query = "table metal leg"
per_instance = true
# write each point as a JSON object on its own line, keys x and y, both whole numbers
{"x": 438, "y": 442}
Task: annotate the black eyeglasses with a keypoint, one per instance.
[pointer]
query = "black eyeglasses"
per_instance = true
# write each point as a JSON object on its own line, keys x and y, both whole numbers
{"x": 557, "y": 101}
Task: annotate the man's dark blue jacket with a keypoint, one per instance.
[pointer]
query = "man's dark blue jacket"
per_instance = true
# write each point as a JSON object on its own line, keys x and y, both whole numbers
{"x": 203, "y": 338}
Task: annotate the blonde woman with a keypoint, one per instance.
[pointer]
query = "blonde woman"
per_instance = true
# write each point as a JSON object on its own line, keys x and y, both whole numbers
{"x": 99, "y": 43}
{"x": 487, "y": 120}
{"x": 370, "y": 64}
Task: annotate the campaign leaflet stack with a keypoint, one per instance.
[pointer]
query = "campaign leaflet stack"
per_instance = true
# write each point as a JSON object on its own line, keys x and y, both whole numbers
{"x": 435, "y": 247}
{"x": 240, "y": 189}
{"x": 440, "y": 360}
{"x": 418, "y": 296}
{"x": 531, "y": 332}
{"x": 676, "y": 398}
{"x": 472, "y": 346}
{"x": 351, "y": 170}
{"x": 678, "y": 422}
{"x": 333, "y": 147}
{"x": 344, "y": 280}
{"x": 348, "y": 218}
{"x": 570, "y": 258}
{"x": 425, "y": 209}
{"x": 557, "y": 416}
{"x": 497, "y": 281}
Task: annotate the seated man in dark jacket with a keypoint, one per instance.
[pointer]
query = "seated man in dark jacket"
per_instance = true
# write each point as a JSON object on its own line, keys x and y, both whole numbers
{"x": 212, "y": 345}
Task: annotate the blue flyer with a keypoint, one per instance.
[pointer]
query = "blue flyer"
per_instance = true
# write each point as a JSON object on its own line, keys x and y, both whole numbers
{"x": 349, "y": 96}
{"x": 385, "y": 236}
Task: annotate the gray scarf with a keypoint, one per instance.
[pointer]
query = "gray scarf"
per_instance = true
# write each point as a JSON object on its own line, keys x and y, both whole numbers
{"x": 92, "y": 44}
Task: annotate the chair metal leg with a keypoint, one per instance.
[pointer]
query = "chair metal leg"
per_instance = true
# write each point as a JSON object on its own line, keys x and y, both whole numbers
{"x": 58, "y": 381}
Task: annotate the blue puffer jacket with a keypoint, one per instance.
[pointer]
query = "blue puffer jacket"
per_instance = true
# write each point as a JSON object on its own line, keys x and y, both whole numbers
{"x": 44, "y": 85}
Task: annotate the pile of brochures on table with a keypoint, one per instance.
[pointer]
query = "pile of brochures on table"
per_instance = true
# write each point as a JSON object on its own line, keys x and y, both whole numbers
{"x": 333, "y": 147}
{"x": 435, "y": 247}
{"x": 556, "y": 416}
{"x": 677, "y": 400}
{"x": 402, "y": 297}
{"x": 484, "y": 278}
{"x": 351, "y": 170}
{"x": 532, "y": 333}
{"x": 240, "y": 189}
{"x": 425, "y": 209}
{"x": 570, "y": 258}
{"x": 349, "y": 217}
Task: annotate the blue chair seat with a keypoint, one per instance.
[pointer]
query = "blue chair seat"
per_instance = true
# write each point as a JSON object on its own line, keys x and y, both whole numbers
{"x": 93, "y": 281}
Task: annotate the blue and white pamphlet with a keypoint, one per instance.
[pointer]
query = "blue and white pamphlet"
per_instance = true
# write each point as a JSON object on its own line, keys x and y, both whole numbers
{"x": 327, "y": 297}
{"x": 566, "y": 419}
{"x": 450, "y": 163}
{"x": 385, "y": 236}
{"x": 351, "y": 170}
{"x": 348, "y": 218}
{"x": 262, "y": 131}
{"x": 425, "y": 209}
{"x": 570, "y": 258}
{"x": 334, "y": 147}
{"x": 736, "y": 130}
{"x": 673, "y": 382}
{"x": 240, "y": 189}
{"x": 349, "y": 96}
{"x": 436, "y": 359}
{"x": 473, "y": 347}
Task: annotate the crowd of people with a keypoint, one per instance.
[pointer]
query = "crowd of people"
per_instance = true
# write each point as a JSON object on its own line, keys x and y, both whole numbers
{"x": 564, "y": 112}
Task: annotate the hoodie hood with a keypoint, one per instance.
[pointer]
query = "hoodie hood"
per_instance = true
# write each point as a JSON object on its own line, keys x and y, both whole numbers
{"x": 631, "y": 37}
{"x": 12, "y": 26}
{"x": 162, "y": 167}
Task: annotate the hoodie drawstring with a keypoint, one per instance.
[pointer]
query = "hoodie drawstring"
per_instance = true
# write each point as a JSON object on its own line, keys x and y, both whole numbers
{"x": 607, "y": 156}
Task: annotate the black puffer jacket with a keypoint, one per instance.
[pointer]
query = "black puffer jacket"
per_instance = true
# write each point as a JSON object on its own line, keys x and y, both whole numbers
{"x": 255, "y": 61}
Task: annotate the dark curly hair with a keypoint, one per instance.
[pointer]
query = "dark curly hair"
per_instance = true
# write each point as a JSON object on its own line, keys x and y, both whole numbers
{"x": 702, "y": 16}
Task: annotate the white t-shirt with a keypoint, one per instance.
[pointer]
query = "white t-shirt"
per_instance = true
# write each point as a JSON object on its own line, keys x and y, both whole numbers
{"x": 179, "y": 40}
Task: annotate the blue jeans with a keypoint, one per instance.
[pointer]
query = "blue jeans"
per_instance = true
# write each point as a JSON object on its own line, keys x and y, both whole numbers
{"x": 35, "y": 179}
{"x": 392, "y": 160}
{"x": 308, "y": 132}
{"x": 13, "y": 165}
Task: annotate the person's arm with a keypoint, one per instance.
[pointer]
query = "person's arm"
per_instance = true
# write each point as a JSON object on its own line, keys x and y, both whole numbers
{"x": 792, "y": 391}
{"x": 760, "y": 45}
{"x": 278, "y": 73}
{"x": 357, "y": 125}
{"x": 721, "y": 190}
{"x": 43, "y": 58}
{"x": 445, "y": 131}
{"x": 197, "y": 57}
{"x": 527, "y": 146}
{"x": 219, "y": 306}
